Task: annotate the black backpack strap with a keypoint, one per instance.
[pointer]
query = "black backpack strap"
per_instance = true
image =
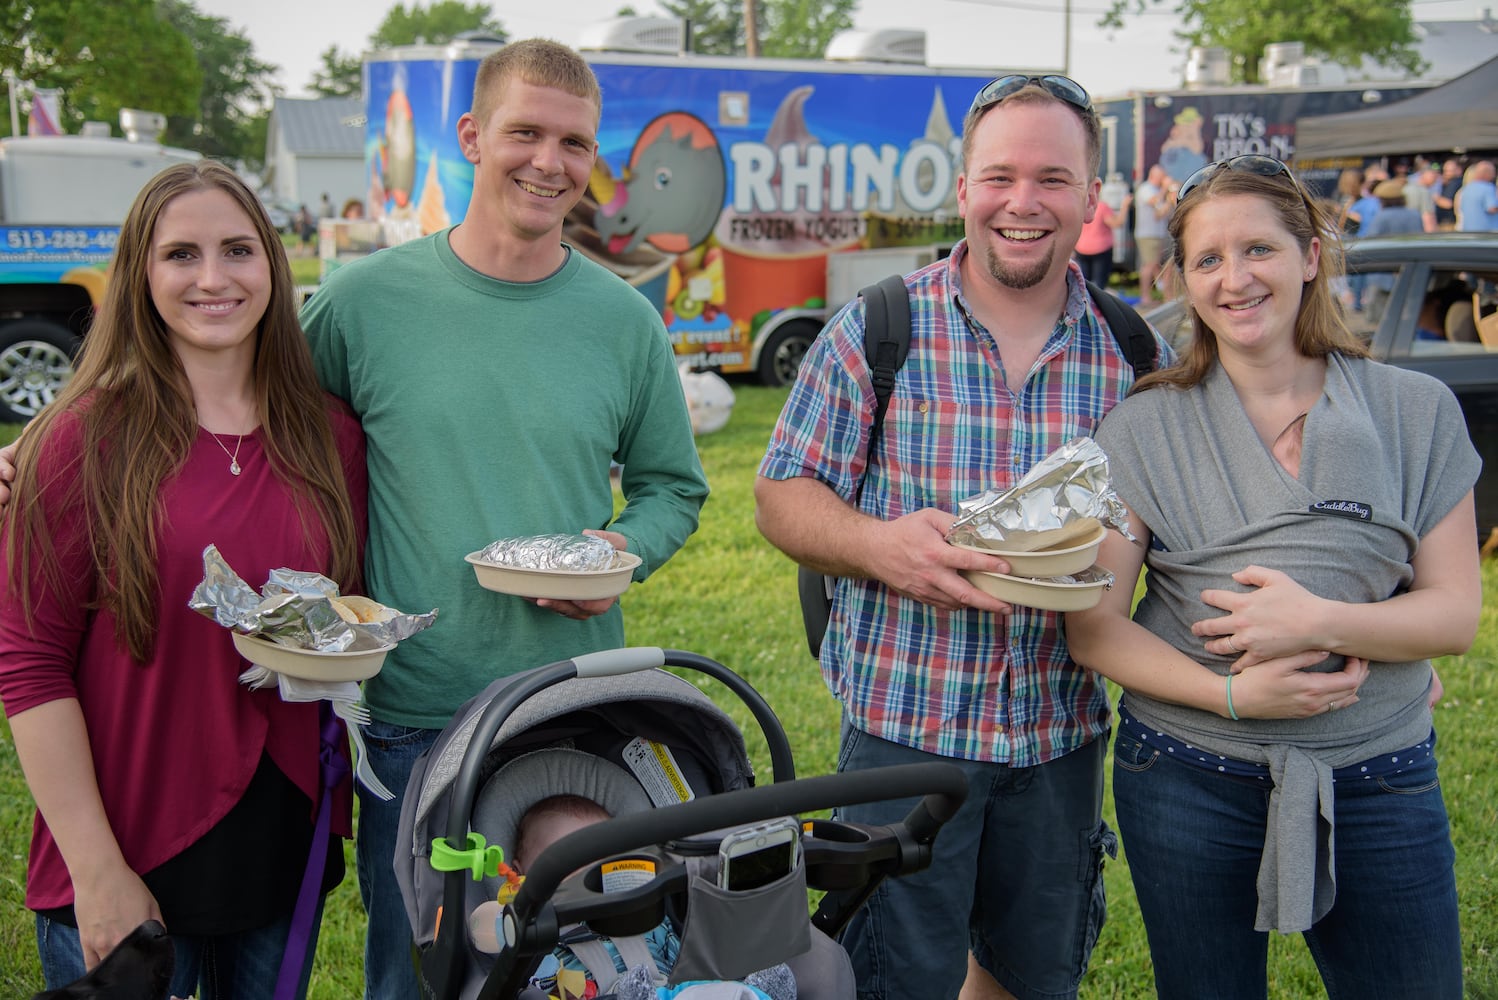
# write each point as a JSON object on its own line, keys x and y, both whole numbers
{"x": 1133, "y": 334}
{"x": 886, "y": 341}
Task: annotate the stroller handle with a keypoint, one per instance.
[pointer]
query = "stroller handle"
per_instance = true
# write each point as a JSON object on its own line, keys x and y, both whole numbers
{"x": 943, "y": 786}
{"x": 613, "y": 662}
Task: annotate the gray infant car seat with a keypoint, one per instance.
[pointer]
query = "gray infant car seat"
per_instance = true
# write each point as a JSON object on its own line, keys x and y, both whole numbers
{"x": 670, "y": 767}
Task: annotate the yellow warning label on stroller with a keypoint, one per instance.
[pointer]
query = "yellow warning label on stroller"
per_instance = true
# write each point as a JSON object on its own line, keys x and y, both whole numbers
{"x": 655, "y": 768}
{"x": 626, "y": 873}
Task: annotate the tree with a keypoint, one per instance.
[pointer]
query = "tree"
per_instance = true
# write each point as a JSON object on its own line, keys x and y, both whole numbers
{"x": 103, "y": 55}
{"x": 795, "y": 29}
{"x": 717, "y": 26}
{"x": 339, "y": 76}
{"x": 236, "y": 94}
{"x": 802, "y": 28}
{"x": 434, "y": 25}
{"x": 1342, "y": 31}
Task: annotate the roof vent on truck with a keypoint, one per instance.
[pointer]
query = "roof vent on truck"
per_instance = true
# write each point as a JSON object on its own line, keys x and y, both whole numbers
{"x": 475, "y": 44}
{"x": 478, "y": 37}
{"x": 142, "y": 126}
{"x": 887, "y": 45}
{"x": 1208, "y": 66}
{"x": 661, "y": 36}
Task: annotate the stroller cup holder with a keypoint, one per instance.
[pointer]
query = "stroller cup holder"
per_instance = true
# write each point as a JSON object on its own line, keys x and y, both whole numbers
{"x": 847, "y": 861}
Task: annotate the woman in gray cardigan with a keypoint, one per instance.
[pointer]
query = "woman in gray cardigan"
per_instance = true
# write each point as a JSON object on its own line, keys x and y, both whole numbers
{"x": 1306, "y": 515}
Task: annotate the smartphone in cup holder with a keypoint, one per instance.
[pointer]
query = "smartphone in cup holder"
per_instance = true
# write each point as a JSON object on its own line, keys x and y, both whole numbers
{"x": 758, "y": 855}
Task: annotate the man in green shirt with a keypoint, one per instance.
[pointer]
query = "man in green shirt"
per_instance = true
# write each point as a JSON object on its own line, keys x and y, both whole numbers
{"x": 498, "y": 374}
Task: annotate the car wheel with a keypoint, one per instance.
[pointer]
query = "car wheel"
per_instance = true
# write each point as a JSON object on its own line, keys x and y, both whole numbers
{"x": 780, "y": 358}
{"x": 36, "y": 361}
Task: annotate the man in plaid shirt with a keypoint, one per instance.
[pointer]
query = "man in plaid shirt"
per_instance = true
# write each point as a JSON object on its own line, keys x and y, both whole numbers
{"x": 1009, "y": 358}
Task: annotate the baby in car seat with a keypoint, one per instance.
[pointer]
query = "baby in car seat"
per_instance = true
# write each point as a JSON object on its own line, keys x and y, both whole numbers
{"x": 640, "y": 964}
{"x": 563, "y": 974}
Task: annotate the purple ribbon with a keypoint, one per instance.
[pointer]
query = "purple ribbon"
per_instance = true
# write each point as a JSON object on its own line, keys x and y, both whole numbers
{"x": 332, "y": 769}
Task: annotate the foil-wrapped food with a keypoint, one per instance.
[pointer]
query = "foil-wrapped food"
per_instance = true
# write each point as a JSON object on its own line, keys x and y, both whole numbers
{"x": 567, "y": 553}
{"x": 299, "y": 609}
{"x": 1065, "y": 494}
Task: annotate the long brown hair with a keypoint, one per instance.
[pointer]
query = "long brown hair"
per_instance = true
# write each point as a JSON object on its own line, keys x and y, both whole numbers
{"x": 1319, "y": 326}
{"x": 132, "y": 400}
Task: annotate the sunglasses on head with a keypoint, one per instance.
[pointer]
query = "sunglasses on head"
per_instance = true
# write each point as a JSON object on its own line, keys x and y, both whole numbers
{"x": 1248, "y": 163}
{"x": 1060, "y": 87}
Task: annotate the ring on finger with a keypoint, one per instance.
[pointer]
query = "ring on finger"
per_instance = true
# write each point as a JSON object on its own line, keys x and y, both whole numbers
{"x": 1233, "y": 645}
{"x": 1331, "y": 706}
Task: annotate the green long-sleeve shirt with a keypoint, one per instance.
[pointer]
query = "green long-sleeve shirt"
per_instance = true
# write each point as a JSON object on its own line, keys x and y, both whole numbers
{"x": 492, "y": 409}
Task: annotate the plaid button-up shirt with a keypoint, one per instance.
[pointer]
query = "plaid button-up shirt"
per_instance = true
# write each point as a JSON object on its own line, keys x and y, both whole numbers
{"x": 963, "y": 684}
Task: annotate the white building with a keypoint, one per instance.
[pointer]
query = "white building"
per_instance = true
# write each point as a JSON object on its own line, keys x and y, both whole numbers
{"x": 315, "y": 146}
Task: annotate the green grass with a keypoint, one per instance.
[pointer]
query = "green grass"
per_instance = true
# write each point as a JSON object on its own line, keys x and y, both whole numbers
{"x": 730, "y": 596}
{"x": 306, "y": 267}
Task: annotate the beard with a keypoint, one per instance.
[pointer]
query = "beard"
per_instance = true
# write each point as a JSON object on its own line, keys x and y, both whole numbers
{"x": 1018, "y": 278}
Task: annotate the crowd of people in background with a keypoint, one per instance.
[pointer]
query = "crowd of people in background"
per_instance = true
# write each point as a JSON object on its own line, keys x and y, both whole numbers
{"x": 1420, "y": 195}
{"x": 1454, "y": 195}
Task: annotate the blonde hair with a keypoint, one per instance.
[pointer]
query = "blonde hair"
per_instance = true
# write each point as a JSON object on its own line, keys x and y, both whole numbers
{"x": 134, "y": 404}
{"x": 539, "y": 62}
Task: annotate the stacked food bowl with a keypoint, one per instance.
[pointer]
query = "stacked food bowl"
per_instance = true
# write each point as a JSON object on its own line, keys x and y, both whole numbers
{"x": 1053, "y": 570}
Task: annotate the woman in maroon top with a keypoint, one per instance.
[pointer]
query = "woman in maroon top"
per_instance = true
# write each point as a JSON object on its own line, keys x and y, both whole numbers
{"x": 164, "y": 788}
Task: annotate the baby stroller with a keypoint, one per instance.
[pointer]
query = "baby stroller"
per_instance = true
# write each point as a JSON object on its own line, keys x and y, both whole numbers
{"x": 609, "y": 726}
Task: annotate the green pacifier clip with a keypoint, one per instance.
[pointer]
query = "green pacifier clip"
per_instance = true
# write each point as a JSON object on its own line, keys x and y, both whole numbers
{"x": 478, "y": 857}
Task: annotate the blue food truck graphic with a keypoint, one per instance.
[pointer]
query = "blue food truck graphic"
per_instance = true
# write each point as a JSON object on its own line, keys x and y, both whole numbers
{"x": 722, "y": 185}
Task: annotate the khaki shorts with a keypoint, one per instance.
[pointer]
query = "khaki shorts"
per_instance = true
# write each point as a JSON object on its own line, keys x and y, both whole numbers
{"x": 1151, "y": 249}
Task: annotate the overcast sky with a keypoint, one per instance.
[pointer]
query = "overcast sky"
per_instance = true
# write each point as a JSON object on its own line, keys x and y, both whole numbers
{"x": 1001, "y": 34}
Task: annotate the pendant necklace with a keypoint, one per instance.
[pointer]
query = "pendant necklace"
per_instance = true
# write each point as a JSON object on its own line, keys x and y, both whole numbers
{"x": 233, "y": 458}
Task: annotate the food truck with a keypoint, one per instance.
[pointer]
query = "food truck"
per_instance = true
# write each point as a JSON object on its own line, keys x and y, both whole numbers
{"x": 62, "y": 200}
{"x": 725, "y": 189}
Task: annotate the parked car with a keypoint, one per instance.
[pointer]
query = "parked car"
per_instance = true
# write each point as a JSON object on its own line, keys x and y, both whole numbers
{"x": 282, "y": 214}
{"x": 1440, "y": 316}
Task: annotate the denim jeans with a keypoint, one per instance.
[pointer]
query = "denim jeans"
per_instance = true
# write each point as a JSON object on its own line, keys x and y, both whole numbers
{"x": 1357, "y": 284}
{"x": 1194, "y": 837}
{"x": 389, "y": 965}
{"x": 241, "y": 966}
{"x": 1016, "y": 876}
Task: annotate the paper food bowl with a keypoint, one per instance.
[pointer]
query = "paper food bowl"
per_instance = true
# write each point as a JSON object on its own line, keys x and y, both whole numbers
{"x": 1047, "y": 595}
{"x": 359, "y": 662}
{"x": 556, "y": 584}
{"x": 1074, "y": 557}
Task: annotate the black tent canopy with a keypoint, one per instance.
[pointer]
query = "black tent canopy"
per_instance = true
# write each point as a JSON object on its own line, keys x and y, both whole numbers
{"x": 1461, "y": 113}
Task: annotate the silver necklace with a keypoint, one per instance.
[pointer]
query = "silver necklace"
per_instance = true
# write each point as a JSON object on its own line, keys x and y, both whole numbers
{"x": 233, "y": 458}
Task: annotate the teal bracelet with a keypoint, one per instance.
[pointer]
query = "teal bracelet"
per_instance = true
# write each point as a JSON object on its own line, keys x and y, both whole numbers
{"x": 1232, "y": 713}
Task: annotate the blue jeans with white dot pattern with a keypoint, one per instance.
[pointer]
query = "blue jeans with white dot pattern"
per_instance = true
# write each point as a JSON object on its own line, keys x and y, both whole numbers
{"x": 1193, "y": 838}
